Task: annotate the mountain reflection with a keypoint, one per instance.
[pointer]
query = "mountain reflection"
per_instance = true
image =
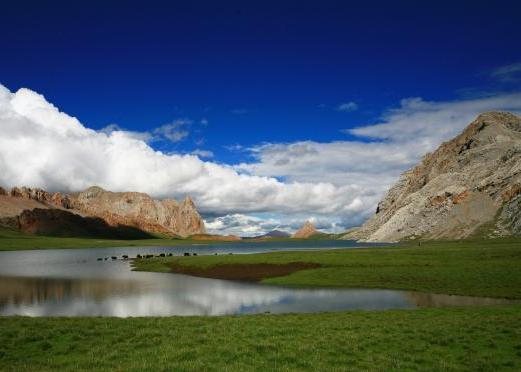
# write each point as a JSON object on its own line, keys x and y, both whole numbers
{"x": 24, "y": 290}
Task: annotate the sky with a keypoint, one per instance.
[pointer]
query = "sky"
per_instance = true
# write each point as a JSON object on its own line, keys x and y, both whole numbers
{"x": 267, "y": 113}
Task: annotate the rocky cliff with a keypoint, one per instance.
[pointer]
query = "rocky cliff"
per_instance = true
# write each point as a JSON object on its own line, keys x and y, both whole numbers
{"x": 38, "y": 211}
{"x": 469, "y": 185}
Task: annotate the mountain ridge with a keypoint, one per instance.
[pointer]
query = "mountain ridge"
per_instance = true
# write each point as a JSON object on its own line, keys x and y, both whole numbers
{"x": 124, "y": 209}
{"x": 468, "y": 182}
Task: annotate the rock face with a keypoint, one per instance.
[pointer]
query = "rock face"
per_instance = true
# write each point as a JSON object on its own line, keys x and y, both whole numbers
{"x": 141, "y": 211}
{"x": 96, "y": 210}
{"x": 307, "y": 230}
{"x": 469, "y": 185}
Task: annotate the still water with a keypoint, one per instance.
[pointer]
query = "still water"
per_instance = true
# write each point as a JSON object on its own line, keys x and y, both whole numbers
{"x": 75, "y": 283}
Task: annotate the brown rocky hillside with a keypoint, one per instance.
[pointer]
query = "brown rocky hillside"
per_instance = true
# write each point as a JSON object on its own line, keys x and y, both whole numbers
{"x": 98, "y": 212}
{"x": 469, "y": 185}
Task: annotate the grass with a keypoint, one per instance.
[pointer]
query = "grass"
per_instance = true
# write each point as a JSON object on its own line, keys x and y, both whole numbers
{"x": 488, "y": 268}
{"x": 477, "y": 339}
{"x": 11, "y": 240}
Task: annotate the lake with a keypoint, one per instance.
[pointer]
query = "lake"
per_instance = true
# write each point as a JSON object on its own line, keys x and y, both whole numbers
{"x": 73, "y": 282}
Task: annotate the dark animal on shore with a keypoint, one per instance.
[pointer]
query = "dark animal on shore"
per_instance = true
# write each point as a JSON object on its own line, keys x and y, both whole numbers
{"x": 106, "y": 258}
{"x": 186, "y": 254}
{"x": 162, "y": 255}
{"x": 194, "y": 254}
{"x": 149, "y": 256}
{"x": 114, "y": 257}
{"x": 170, "y": 255}
{"x": 124, "y": 256}
{"x": 100, "y": 259}
{"x": 139, "y": 256}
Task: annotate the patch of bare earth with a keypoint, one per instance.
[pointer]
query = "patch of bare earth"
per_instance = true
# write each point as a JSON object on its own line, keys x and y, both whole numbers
{"x": 243, "y": 272}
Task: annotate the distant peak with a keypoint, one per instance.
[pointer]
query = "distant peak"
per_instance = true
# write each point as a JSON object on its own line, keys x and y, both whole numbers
{"x": 307, "y": 230}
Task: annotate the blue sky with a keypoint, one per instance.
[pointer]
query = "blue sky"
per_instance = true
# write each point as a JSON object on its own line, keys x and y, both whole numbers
{"x": 230, "y": 78}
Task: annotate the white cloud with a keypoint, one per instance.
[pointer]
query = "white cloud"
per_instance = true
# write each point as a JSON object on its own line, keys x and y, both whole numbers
{"x": 173, "y": 132}
{"x": 434, "y": 122}
{"x": 143, "y": 136}
{"x": 241, "y": 225}
{"x": 347, "y": 107}
{"x": 43, "y": 147}
{"x": 247, "y": 225}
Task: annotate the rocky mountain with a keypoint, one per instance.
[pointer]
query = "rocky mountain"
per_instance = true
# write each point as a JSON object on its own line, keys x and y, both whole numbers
{"x": 276, "y": 234}
{"x": 470, "y": 185}
{"x": 96, "y": 211}
{"x": 307, "y": 230}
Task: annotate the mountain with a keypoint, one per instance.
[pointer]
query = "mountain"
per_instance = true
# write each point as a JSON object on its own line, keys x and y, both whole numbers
{"x": 470, "y": 185}
{"x": 97, "y": 212}
{"x": 276, "y": 234}
{"x": 307, "y": 230}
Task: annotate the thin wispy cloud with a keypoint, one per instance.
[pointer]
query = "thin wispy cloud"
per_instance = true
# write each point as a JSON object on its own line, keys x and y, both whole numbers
{"x": 347, "y": 107}
{"x": 507, "y": 73}
{"x": 173, "y": 132}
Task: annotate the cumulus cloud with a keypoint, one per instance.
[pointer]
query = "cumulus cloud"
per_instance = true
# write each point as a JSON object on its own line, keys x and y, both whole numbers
{"x": 43, "y": 147}
{"x": 241, "y": 224}
{"x": 347, "y": 107}
{"x": 247, "y": 225}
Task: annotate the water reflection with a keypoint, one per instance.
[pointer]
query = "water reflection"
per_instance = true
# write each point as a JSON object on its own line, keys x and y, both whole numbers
{"x": 74, "y": 283}
{"x": 163, "y": 295}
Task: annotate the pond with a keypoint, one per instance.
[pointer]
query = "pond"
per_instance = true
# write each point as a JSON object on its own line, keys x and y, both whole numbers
{"x": 75, "y": 283}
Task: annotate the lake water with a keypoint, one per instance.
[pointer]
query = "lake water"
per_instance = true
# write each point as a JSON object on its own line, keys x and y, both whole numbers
{"x": 74, "y": 283}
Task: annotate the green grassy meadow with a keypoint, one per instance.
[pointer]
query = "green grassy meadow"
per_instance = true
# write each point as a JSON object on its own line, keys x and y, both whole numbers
{"x": 473, "y": 339}
{"x": 13, "y": 240}
{"x": 487, "y": 268}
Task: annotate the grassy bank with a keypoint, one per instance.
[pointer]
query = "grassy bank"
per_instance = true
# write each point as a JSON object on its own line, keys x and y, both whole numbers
{"x": 12, "y": 240}
{"x": 487, "y": 268}
{"x": 487, "y": 338}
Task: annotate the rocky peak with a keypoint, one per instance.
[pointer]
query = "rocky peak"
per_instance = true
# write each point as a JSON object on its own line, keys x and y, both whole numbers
{"x": 307, "y": 230}
{"x": 188, "y": 202}
{"x": 41, "y": 196}
{"x": 457, "y": 188}
{"x": 141, "y": 211}
{"x": 130, "y": 209}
